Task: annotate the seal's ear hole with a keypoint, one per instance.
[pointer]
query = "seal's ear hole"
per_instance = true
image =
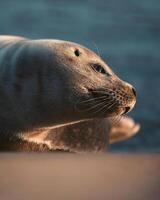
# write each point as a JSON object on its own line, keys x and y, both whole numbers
{"x": 77, "y": 52}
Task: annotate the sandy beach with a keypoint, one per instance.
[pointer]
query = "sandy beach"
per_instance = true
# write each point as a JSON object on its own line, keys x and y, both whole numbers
{"x": 81, "y": 177}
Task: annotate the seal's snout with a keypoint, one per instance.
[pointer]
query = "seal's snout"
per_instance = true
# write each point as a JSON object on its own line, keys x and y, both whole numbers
{"x": 130, "y": 90}
{"x": 130, "y": 100}
{"x": 134, "y": 91}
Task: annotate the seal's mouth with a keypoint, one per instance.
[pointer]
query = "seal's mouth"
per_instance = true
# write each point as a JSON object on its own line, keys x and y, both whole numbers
{"x": 127, "y": 109}
{"x": 106, "y": 103}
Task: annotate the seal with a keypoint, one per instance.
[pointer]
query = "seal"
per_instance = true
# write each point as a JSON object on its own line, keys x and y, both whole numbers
{"x": 47, "y": 84}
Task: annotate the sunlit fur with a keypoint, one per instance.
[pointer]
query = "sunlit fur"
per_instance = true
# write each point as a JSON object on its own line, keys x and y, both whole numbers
{"x": 43, "y": 83}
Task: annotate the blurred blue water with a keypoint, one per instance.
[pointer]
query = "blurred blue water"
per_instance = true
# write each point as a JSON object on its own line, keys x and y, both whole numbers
{"x": 127, "y": 34}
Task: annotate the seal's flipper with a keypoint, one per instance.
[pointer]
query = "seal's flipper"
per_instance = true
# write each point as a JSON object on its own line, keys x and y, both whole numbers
{"x": 85, "y": 136}
{"x": 123, "y": 130}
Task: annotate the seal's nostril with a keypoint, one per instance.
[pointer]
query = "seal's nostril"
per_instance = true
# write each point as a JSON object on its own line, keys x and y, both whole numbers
{"x": 134, "y": 92}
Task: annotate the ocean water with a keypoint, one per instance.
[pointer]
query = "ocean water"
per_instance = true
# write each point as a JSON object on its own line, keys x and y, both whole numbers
{"x": 125, "y": 33}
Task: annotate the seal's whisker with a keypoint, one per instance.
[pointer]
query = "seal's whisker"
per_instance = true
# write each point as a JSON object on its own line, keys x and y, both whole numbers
{"x": 103, "y": 110}
{"x": 107, "y": 108}
{"x": 90, "y": 104}
{"x": 111, "y": 105}
{"x": 119, "y": 117}
{"x": 113, "y": 119}
{"x": 103, "y": 106}
{"x": 93, "y": 99}
{"x": 105, "y": 89}
{"x": 95, "y": 106}
{"x": 102, "y": 91}
{"x": 99, "y": 111}
{"x": 97, "y": 49}
{"x": 110, "y": 90}
{"x": 116, "y": 120}
{"x": 111, "y": 102}
{"x": 107, "y": 93}
{"x": 115, "y": 123}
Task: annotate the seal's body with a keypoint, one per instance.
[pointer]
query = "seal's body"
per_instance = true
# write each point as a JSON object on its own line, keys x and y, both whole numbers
{"x": 46, "y": 84}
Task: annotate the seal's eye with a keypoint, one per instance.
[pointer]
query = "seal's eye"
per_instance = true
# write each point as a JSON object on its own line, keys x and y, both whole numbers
{"x": 99, "y": 68}
{"x": 77, "y": 52}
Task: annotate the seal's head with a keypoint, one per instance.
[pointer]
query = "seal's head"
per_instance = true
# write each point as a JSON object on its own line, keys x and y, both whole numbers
{"x": 84, "y": 84}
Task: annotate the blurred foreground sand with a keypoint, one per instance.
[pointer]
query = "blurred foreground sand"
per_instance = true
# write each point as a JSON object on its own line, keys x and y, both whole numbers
{"x": 71, "y": 176}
